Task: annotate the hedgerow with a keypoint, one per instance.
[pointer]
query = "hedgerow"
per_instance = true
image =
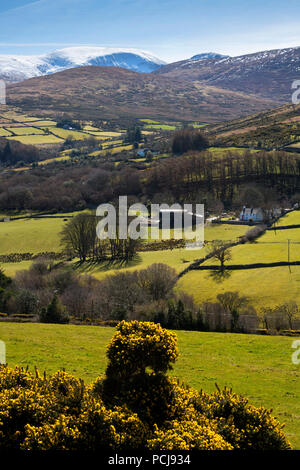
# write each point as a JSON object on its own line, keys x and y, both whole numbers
{"x": 134, "y": 406}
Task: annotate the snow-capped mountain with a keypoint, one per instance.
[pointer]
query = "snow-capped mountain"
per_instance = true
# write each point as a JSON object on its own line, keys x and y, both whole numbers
{"x": 208, "y": 56}
{"x": 268, "y": 74}
{"x": 18, "y": 68}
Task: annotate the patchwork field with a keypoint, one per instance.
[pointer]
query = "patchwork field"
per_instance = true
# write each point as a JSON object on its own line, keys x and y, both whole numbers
{"x": 32, "y": 130}
{"x": 256, "y": 366}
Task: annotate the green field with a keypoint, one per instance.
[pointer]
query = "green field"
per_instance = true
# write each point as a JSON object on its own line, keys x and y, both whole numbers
{"x": 104, "y": 134}
{"x": 18, "y": 117}
{"x": 258, "y": 367}
{"x": 89, "y": 128}
{"x": 30, "y": 235}
{"x": 263, "y": 287}
{"x": 45, "y": 123}
{"x": 162, "y": 127}
{"x": 149, "y": 121}
{"x": 221, "y": 151}
{"x": 4, "y": 132}
{"x": 198, "y": 126}
{"x": 19, "y": 131}
{"x": 292, "y": 218}
{"x": 37, "y": 139}
{"x": 65, "y": 133}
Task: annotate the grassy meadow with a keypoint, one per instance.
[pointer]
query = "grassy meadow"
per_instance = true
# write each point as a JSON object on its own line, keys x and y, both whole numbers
{"x": 263, "y": 287}
{"x": 30, "y": 235}
{"x": 258, "y": 367}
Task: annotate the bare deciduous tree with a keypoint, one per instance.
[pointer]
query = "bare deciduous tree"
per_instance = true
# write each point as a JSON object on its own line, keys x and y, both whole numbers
{"x": 221, "y": 252}
{"x": 232, "y": 301}
{"x": 78, "y": 236}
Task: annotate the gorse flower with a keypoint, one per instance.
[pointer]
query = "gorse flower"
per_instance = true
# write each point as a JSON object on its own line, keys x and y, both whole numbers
{"x": 135, "y": 406}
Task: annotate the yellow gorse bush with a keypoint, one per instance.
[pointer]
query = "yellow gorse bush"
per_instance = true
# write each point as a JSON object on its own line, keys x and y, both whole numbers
{"x": 138, "y": 345}
{"x": 135, "y": 406}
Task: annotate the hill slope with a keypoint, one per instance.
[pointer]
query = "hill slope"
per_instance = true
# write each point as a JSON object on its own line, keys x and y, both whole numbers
{"x": 273, "y": 129}
{"x": 205, "y": 359}
{"x": 110, "y": 92}
{"x": 268, "y": 74}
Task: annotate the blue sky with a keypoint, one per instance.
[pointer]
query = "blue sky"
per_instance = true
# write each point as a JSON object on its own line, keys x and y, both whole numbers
{"x": 170, "y": 29}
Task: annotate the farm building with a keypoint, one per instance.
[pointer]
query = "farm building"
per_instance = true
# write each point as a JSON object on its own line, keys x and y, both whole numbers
{"x": 177, "y": 218}
{"x": 144, "y": 153}
{"x": 258, "y": 215}
{"x": 252, "y": 215}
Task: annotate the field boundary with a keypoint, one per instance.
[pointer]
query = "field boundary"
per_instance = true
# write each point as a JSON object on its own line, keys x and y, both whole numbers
{"x": 236, "y": 267}
{"x": 284, "y": 227}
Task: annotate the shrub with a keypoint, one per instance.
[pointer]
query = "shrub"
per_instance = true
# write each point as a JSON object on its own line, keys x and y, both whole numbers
{"x": 54, "y": 313}
{"x": 188, "y": 435}
{"x": 243, "y": 425}
{"x": 131, "y": 408}
{"x": 26, "y": 302}
{"x": 157, "y": 280}
{"x": 140, "y": 345}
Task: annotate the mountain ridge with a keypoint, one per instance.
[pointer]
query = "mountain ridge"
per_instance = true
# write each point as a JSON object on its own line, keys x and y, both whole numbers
{"x": 268, "y": 74}
{"x": 111, "y": 92}
{"x": 14, "y": 68}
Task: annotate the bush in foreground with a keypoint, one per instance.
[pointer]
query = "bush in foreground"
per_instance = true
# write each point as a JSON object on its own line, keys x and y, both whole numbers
{"x": 135, "y": 406}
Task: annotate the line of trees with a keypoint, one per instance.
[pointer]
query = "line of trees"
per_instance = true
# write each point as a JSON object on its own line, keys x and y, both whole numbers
{"x": 12, "y": 152}
{"x": 188, "y": 139}
{"x": 196, "y": 177}
{"x": 53, "y": 294}
{"x": 79, "y": 240}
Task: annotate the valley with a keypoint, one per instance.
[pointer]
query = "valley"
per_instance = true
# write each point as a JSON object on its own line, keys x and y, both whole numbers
{"x": 83, "y": 126}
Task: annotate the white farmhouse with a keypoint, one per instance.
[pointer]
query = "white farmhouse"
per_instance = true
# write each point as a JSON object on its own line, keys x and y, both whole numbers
{"x": 251, "y": 215}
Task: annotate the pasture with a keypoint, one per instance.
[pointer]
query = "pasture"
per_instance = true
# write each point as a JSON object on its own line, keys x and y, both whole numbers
{"x": 30, "y": 235}
{"x": 263, "y": 287}
{"x": 5, "y": 133}
{"x": 258, "y": 367}
{"x": 27, "y": 130}
{"x": 37, "y": 139}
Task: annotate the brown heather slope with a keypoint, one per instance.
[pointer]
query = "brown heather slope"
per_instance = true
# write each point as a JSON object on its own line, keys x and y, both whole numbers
{"x": 278, "y": 129}
{"x": 285, "y": 114}
{"x": 110, "y": 93}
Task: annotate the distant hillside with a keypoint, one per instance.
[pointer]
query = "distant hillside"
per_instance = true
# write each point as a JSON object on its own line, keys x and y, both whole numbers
{"x": 268, "y": 74}
{"x": 274, "y": 129}
{"x": 110, "y": 92}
